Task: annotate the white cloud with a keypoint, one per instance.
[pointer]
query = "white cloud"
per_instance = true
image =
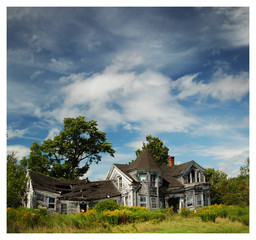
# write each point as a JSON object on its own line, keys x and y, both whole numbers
{"x": 53, "y": 132}
{"x": 60, "y": 65}
{"x": 223, "y": 86}
{"x": 19, "y": 150}
{"x": 12, "y": 133}
{"x": 140, "y": 102}
{"x": 235, "y": 25}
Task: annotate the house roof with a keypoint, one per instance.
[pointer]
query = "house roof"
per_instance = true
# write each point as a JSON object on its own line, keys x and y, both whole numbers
{"x": 145, "y": 161}
{"x": 43, "y": 182}
{"x": 175, "y": 170}
{"x": 92, "y": 191}
{"x": 125, "y": 169}
{"x": 74, "y": 190}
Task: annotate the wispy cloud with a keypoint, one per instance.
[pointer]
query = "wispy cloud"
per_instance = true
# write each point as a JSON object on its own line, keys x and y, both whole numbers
{"x": 222, "y": 87}
{"x": 19, "y": 150}
{"x": 13, "y": 133}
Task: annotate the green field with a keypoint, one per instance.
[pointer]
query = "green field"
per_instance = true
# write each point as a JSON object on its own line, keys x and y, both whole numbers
{"x": 214, "y": 219}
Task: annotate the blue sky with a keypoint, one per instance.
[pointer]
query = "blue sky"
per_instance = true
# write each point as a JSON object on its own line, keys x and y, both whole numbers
{"x": 180, "y": 74}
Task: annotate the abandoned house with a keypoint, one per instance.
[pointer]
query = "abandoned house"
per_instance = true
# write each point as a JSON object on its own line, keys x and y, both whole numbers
{"x": 143, "y": 183}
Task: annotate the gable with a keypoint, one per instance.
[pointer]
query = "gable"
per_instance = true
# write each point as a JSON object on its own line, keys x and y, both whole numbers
{"x": 120, "y": 170}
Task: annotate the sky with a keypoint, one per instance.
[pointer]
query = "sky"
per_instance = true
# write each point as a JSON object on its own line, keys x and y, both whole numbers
{"x": 177, "y": 73}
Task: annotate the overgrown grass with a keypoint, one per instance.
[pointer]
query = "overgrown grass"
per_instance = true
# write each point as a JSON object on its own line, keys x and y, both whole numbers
{"x": 129, "y": 219}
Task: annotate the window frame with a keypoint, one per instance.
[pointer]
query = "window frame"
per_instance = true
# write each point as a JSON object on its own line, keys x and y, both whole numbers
{"x": 63, "y": 210}
{"x": 144, "y": 178}
{"x": 151, "y": 203}
{"x": 153, "y": 180}
{"x": 143, "y": 203}
{"x": 51, "y": 205}
{"x": 189, "y": 203}
{"x": 120, "y": 182}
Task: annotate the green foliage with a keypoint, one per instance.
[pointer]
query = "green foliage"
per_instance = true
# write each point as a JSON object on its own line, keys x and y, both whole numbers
{"x": 106, "y": 205}
{"x": 245, "y": 170}
{"x": 185, "y": 212}
{"x": 156, "y": 148}
{"x": 37, "y": 161}
{"x": 207, "y": 215}
{"x": 216, "y": 178}
{"x": 229, "y": 191}
{"x": 16, "y": 181}
{"x": 234, "y": 213}
{"x": 25, "y": 220}
{"x": 79, "y": 142}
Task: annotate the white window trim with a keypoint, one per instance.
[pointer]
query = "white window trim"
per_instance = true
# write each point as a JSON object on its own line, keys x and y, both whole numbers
{"x": 48, "y": 201}
{"x": 144, "y": 202}
{"x": 191, "y": 201}
{"x": 199, "y": 199}
{"x": 120, "y": 182}
{"x": 151, "y": 202}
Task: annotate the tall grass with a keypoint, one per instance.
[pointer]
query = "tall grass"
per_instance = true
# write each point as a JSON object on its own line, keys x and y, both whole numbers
{"x": 39, "y": 220}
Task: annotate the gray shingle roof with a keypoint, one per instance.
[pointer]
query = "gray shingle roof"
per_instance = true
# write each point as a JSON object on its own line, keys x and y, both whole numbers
{"x": 145, "y": 161}
{"x": 74, "y": 190}
{"x": 92, "y": 191}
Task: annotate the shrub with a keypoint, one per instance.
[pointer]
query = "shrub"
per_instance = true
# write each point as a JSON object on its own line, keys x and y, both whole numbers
{"x": 118, "y": 216}
{"x": 185, "y": 212}
{"x": 207, "y": 215}
{"x": 168, "y": 211}
{"x": 106, "y": 205}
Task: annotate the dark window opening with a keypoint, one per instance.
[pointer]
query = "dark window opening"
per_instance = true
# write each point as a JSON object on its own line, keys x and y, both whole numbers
{"x": 64, "y": 208}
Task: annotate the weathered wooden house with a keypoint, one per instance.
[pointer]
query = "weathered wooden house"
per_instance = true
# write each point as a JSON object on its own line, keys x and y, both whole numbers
{"x": 142, "y": 183}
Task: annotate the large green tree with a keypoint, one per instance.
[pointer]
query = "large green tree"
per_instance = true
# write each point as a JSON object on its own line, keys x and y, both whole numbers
{"x": 156, "y": 148}
{"x": 76, "y": 147}
{"x": 216, "y": 177}
{"x": 229, "y": 191}
{"x": 16, "y": 181}
{"x": 37, "y": 160}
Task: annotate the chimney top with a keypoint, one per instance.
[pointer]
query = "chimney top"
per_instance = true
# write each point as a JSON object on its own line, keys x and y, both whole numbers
{"x": 171, "y": 161}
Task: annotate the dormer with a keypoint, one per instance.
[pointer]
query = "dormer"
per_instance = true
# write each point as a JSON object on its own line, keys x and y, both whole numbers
{"x": 194, "y": 174}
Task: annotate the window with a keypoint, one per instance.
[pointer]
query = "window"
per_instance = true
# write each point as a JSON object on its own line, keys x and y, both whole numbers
{"x": 189, "y": 200}
{"x": 143, "y": 201}
{"x": 63, "y": 208}
{"x": 153, "y": 180}
{"x": 126, "y": 200}
{"x": 51, "y": 202}
{"x": 198, "y": 176}
{"x": 199, "y": 200}
{"x": 153, "y": 203}
{"x": 120, "y": 182}
{"x": 143, "y": 176}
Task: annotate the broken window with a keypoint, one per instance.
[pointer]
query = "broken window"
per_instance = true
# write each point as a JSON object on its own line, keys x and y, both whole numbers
{"x": 143, "y": 201}
{"x": 153, "y": 180}
{"x": 51, "y": 202}
{"x": 120, "y": 182}
{"x": 126, "y": 200}
{"x": 153, "y": 202}
{"x": 64, "y": 208}
{"x": 199, "y": 200}
{"x": 189, "y": 201}
{"x": 143, "y": 177}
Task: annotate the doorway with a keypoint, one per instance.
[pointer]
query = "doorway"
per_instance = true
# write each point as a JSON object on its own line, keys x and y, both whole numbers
{"x": 83, "y": 207}
{"x": 174, "y": 202}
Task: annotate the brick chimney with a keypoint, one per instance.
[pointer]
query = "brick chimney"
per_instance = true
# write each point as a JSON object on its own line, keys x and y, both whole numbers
{"x": 171, "y": 161}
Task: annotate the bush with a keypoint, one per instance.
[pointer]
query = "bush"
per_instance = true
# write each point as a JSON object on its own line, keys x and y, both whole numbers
{"x": 106, "y": 205}
{"x": 118, "y": 216}
{"x": 207, "y": 215}
{"x": 233, "y": 213}
{"x": 185, "y": 212}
